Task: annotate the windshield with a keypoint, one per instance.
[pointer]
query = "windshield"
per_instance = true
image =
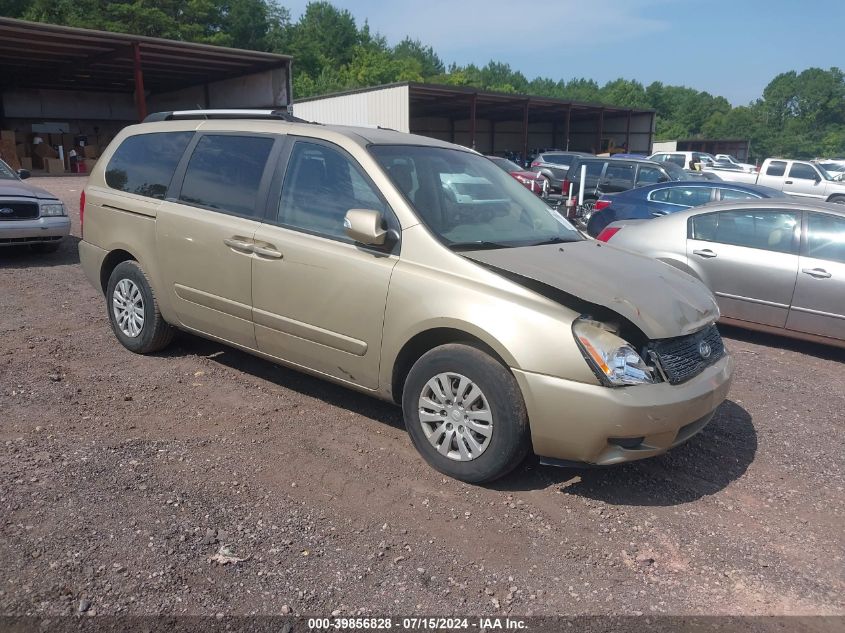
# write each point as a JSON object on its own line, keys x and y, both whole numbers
{"x": 558, "y": 159}
{"x": 675, "y": 172}
{"x": 6, "y": 172}
{"x": 825, "y": 174}
{"x": 469, "y": 203}
{"x": 506, "y": 165}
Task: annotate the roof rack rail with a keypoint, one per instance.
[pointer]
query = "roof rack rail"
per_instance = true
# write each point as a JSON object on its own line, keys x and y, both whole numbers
{"x": 181, "y": 115}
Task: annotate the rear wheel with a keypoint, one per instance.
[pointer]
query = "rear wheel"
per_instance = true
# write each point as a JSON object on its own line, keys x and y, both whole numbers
{"x": 465, "y": 413}
{"x": 133, "y": 310}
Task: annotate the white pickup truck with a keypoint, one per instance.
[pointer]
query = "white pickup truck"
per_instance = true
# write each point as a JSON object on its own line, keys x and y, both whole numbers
{"x": 799, "y": 178}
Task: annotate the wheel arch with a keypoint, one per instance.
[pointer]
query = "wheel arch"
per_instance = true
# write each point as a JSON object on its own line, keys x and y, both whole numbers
{"x": 110, "y": 262}
{"x": 429, "y": 339}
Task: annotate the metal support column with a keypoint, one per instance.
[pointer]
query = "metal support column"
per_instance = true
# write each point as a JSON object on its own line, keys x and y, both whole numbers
{"x": 599, "y": 132}
{"x": 140, "y": 95}
{"x": 525, "y": 131}
{"x": 472, "y": 105}
{"x": 568, "y": 119}
{"x": 628, "y": 134}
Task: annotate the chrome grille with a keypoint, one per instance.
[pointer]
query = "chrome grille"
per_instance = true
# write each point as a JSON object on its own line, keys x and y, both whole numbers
{"x": 684, "y": 357}
{"x": 18, "y": 210}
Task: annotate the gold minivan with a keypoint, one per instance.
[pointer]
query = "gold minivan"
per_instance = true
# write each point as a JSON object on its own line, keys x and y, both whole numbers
{"x": 404, "y": 267}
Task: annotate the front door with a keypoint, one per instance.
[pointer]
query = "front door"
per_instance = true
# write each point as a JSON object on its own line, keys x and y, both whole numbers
{"x": 804, "y": 181}
{"x": 749, "y": 260}
{"x": 818, "y": 306}
{"x": 319, "y": 298}
{"x": 205, "y": 234}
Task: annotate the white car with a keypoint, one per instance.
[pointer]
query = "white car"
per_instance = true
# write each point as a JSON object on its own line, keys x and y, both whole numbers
{"x": 728, "y": 158}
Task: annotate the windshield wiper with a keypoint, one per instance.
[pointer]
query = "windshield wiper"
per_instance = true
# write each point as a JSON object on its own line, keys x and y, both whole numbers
{"x": 476, "y": 246}
{"x": 554, "y": 240}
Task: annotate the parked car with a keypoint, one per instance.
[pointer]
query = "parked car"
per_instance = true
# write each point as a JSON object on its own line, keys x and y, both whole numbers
{"x": 799, "y": 178}
{"x": 339, "y": 252}
{"x": 732, "y": 160}
{"x": 644, "y": 203}
{"x": 776, "y": 265}
{"x": 531, "y": 180}
{"x": 29, "y": 215}
{"x": 611, "y": 175}
{"x": 834, "y": 167}
{"x": 553, "y": 166}
{"x": 684, "y": 160}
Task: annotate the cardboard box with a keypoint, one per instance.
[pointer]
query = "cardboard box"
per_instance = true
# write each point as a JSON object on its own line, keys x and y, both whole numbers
{"x": 7, "y": 135}
{"x": 8, "y": 153}
{"x": 26, "y": 163}
{"x": 89, "y": 164}
{"x": 42, "y": 150}
{"x": 91, "y": 151}
{"x": 54, "y": 166}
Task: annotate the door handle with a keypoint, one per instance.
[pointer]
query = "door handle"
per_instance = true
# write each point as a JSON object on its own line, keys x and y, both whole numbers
{"x": 238, "y": 245}
{"x": 267, "y": 251}
{"x": 818, "y": 273}
{"x": 706, "y": 253}
{"x": 787, "y": 182}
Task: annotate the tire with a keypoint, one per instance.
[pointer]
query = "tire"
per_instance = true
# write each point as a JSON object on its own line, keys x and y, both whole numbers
{"x": 47, "y": 247}
{"x": 468, "y": 456}
{"x": 128, "y": 286}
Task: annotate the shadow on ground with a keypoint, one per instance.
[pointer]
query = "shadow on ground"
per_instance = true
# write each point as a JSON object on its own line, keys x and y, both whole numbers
{"x": 706, "y": 464}
{"x": 304, "y": 384}
{"x": 775, "y": 341}
{"x": 33, "y": 257}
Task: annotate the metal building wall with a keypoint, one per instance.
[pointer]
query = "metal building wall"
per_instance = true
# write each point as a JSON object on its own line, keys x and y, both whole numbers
{"x": 388, "y": 107}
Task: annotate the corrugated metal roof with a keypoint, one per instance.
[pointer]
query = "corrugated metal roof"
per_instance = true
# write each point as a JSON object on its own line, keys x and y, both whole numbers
{"x": 37, "y": 55}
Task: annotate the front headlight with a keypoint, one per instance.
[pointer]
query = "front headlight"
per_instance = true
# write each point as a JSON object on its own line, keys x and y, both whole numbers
{"x": 612, "y": 358}
{"x": 49, "y": 210}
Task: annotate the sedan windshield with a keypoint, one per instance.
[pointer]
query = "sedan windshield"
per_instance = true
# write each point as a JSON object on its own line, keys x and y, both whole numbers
{"x": 467, "y": 202}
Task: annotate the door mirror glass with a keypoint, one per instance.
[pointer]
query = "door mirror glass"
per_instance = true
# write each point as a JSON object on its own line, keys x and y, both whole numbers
{"x": 365, "y": 226}
{"x": 23, "y": 174}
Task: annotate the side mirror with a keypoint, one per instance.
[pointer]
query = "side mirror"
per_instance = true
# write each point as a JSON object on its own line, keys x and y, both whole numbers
{"x": 818, "y": 179}
{"x": 23, "y": 174}
{"x": 365, "y": 226}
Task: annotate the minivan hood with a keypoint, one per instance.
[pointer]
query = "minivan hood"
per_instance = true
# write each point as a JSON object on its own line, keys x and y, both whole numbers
{"x": 17, "y": 189}
{"x": 659, "y": 299}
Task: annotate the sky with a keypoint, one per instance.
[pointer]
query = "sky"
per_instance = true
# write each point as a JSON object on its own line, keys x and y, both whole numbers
{"x": 731, "y": 48}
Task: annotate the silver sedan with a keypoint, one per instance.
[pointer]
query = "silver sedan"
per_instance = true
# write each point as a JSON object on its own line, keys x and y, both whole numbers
{"x": 774, "y": 265}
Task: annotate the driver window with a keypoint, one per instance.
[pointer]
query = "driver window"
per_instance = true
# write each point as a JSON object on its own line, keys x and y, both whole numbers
{"x": 321, "y": 185}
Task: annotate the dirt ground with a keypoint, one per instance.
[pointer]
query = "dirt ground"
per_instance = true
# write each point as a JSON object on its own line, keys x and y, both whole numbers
{"x": 122, "y": 476}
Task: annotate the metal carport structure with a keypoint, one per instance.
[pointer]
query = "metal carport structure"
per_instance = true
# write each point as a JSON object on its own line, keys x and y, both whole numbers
{"x": 49, "y": 72}
{"x": 491, "y": 122}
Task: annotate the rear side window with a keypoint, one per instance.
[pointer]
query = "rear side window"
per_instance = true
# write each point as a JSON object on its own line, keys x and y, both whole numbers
{"x": 826, "y": 237}
{"x": 776, "y": 168}
{"x": 144, "y": 164}
{"x": 685, "y": 196}
{"x": 649, "y": 175}
{"x": 762, "y": 229}
{"x": 621, "y": 174}
{"x": 224, "y": 173}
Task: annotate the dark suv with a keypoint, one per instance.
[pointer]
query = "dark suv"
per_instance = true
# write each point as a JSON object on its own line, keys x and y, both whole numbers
{"x": 553, "y": 166}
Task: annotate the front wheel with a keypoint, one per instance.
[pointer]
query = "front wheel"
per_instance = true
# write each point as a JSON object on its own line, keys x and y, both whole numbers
{"x": 838, "y": 199}
{"x": 465, "y": 413}
{"x": 133, "y": 310}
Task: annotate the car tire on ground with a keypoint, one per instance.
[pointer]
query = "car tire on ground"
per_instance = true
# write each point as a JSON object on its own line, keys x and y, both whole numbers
{"x": 133, "y": 310}
{"x": 465, "y": 413}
